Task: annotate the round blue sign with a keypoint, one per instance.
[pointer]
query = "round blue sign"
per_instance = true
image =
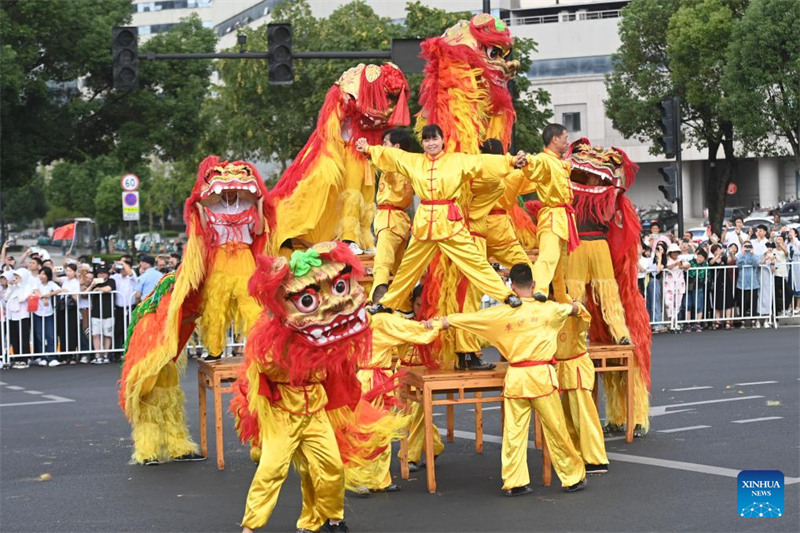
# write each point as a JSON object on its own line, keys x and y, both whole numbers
{"x": 131, "y": 199}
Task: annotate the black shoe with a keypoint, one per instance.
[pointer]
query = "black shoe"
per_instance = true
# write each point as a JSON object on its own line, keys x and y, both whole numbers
{"x": 413, "y": 466}
{"x": 151, "y": 462}
{"x": 624, "y": 341}
{"x": 189, "y": 457}
{"x": 461, "y": 361}
{"x": 327, "y": 527}
{"x": 518, "y": 491}
{"x": 391, "y": 488}
{"x": 638, "y": 431}
{"x": 610, "y": 428}
{"x": 476, "y": 363}
{"x": 513, "y": 300}
{"x": 379, "y": 308}
{"x": 540, "y": 297}
{"x": 303, "y": 530}
{"x": 596, "y": 469}
{"x": 580, "y": 485}
{"x": 209, "y": 357}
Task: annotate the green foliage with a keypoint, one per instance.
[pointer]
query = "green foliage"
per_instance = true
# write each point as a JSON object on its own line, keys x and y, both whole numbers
{"x": 22, "y": 205}
{"x": 108, "y": 202}
{"x": 762, "y": 77}
{"x": 532, "y": 106}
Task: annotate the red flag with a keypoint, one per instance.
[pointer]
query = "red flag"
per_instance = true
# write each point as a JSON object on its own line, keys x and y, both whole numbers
{"x": 66, "y": 232}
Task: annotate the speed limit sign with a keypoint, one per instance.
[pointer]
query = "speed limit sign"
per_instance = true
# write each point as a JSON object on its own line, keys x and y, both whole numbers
{"x": 130, "y": 182}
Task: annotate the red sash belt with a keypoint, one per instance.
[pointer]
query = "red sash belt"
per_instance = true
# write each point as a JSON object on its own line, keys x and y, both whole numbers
{"x": 498, "y": 212}
{"x": 387, "y": 207}
{"x": 523, "y": 364}
{"x": 574, "y": 241}
{"x": 573, "y": 357}
{"x": 476, "y": 234}
{"x": 591, "y": 234}
{"x": 453, "y": 212}
{"x": 375, "y": 368}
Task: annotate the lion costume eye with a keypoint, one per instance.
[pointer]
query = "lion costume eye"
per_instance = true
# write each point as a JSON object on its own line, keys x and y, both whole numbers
{"x": 494, "y": 52}
{"x": 306, "y": 301}
{"x": 341, "y": 285}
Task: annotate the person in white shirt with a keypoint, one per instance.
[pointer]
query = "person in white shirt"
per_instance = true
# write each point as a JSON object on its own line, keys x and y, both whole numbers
{"x": 19, "y": 322}
{"x": 736, "y": 235}
{"x": 767, "y": 292}
{"x": 126, "y": 282}
{"x": 645, "y": 262}
{"x": 44, "y": 332}
{"x": 68, "y": 330}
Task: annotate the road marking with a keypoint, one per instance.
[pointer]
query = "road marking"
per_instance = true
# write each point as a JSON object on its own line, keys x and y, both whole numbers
{"x": 688, "y": 428}
{"x": 14, "y": 387}
{"x": 33, "y": 392}
{"x": 755, "y": 383}
{"x": 692, "y": 388}
{"x": 3, "y": 382}
{"x": 660, "y": 410}
{"x": 637, "y": 459}
{"x": 51, "y": 398}
{"x": 757, "y": 419}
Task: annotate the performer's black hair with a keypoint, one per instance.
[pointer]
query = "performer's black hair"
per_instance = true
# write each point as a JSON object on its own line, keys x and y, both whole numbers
{"x": 431, "y": 131}
{"x": 492, "y": 146}
{"x": 399, "y": 136}
{"x": 550, "y": 131}
{"x": 416, "y": 293}
{"x": 521, "y": 275}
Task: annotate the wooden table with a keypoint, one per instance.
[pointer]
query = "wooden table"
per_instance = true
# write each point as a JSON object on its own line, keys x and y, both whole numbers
{"x": 421, "y": 384}
{"x": 217, "y": 376}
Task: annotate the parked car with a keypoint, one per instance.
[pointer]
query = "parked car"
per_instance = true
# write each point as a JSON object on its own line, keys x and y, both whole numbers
{"x": 731, "y": 214}
{"x": 666, "y": 219}
{"x": 699, "y": 234}
{"x": 752, "y": 222}
{"x": 790, "y": 212}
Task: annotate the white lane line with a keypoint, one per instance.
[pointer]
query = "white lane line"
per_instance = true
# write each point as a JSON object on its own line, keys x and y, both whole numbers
{"x": 52, "y": 398}
{"x": 687, "y": 428}
{"x": 692, "y": 388}
{"x": 660, "y": 410}
{"x": 57, "y": 398}
{"x": 15, "y": 387}
{"x": 4, "y": 383}
{"x": 625, "y": 458}
{"x": 755, "y": 383}
{"x": 762, "y": 419}
{"x": 32, "y": 392}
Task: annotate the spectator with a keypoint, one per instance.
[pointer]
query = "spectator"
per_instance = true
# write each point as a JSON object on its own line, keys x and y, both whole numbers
{"x": 68, "y": 328}
{"x": 7, "y": 262}
{"x": 696, "y": 295}
{"x": 645, "y": 260}
{"x": 44, "y": 332}
{"x": 736, "y": 235}
{"x": 766, "y": 283}
{"x": 656, "y": 236}
{"x": 102, "y": 311}
{"x": 722, "y": 299}
{"x": 794, "y": 271}
{"x": 780, "y": 273}
{"x": 148, "y": 277}
{"x": 174, "y": 261}
{"x": 86, "y": 279}
{"x": 19, "y": 322}
{"x": 653, "y": 291}
{"x": 777, "y": 226}
{"x": 34, "y": 266}
{"x": 747, "y": 283}
{"x": 161, "y": 264}
{"x": 674, "y": 282}
{"x": 126, "y": 282}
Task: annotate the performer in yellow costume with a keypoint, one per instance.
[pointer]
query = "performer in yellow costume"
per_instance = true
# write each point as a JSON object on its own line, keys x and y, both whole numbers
{"x": 436, "y": 177}
{"x": 576, "y": 381}
{"x": 227, "y": 216}
{"x": 527, "y": 337}
{"x": 392, "y": 224}
{"x": 556, "y": 229}
{"x": 298, "y": 400}
{"x": 389, "y": 331}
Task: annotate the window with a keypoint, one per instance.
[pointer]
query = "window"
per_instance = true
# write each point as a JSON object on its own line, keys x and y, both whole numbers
{"x": 571, "y": 121}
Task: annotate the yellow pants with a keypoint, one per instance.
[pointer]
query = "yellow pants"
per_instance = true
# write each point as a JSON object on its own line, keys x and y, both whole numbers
{"x": 466, "y": 342}
{"x": 464, "y": 254}
{"x": 389, "y": 250}
{"x": 591, "y": 263}
{"x": 566, "y": 461}
{"x": 225, "y": 297}
{"x": 551, "y": 265}
{"x": 583, "y": 425}
{"x": 160, "y": 430}
{"x": 502, "y": 243}
{"x": 310, "y": 440}
{"x": 358, "y": 206}
{"x": 616, "y": 398}
{"x": 416, "y": 435}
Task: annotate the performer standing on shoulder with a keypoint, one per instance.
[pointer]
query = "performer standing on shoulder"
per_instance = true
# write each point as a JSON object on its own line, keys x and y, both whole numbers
{"x": 527, "y": 338}
{"x": 437, "y": 177}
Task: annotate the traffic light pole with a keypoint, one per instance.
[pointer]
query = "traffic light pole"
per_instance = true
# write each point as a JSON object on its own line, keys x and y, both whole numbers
{"x": 678, "y": 161}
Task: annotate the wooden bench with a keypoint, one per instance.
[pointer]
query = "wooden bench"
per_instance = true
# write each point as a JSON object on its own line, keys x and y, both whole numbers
{"x": 218, "y": 377}
{"x": 616, "y": 358}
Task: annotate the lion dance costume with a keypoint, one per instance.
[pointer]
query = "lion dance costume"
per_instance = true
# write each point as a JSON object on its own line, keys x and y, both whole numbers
{"x": 465, "y": 91}
{"x": 328, "y": 192}
{"x": 210, "y": 289}
{"x": 299, "y": 399}
{"x": 602, "y": 270}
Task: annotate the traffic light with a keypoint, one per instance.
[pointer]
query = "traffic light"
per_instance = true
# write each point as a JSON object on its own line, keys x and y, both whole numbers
{"x": 669, "y": 135}
{"x": 670, "y": 190}
{"x": 125, "y": 56}
{"x": 279, "y": 47}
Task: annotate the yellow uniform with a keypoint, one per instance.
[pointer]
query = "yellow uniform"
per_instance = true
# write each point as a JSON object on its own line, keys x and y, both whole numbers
{"x": 296, "y": 427}
{"x": 576, "y": 378}
{"x": 227, "y": 284}
{"x": 388, "y": 332}
{"x": 391, "y": 225}
{"x": 416, "y": 425}
{"x": 501, "y": 240}
{"x": 356, "y": 200}
{"x": 438, "y": 222}
{"x": 556, "y": 221}
{"x": 527, "y": 338}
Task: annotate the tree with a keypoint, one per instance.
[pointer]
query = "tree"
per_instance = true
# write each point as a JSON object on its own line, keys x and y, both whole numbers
{"x": 677, "y": 47}
{"x": 763, "y": 77}
{"x": 108, "y": 204}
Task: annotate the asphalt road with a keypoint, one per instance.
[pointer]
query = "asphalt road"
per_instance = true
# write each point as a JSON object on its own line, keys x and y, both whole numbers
{"x": 722, "y": 402}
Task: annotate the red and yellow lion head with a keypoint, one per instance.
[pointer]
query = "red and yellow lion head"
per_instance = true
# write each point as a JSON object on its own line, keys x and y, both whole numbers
{"x": 611, "y": 165}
